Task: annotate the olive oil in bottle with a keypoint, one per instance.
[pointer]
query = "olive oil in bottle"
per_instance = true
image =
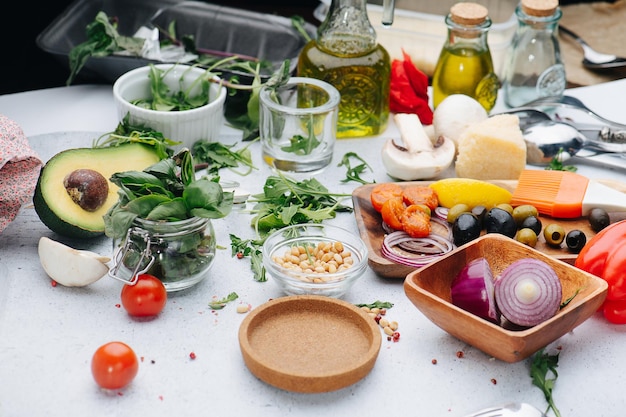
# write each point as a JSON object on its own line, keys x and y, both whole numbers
{"x": 347, "y": 56}
{"x": 465, "y": 65}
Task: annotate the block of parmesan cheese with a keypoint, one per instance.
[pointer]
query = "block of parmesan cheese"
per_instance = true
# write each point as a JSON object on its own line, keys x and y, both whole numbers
{"x": 493, "y": 149}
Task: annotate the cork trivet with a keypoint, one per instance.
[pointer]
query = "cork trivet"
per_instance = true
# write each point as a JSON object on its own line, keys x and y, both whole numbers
{"x": 468, "y": 14}
{"x": 309, "y": 343}
{"x": 539, "y": 8}
{"x": 598, "y": 24}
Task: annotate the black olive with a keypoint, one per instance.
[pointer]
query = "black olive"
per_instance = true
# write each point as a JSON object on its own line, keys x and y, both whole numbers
{"x": 500, "y": 221}
{"x": 575, "y": 240}
{"x": 533, "y": 223}
{"x": 466, "y": 228}
{"x": 480, "y": 212}
{"x": 598, "y": 219}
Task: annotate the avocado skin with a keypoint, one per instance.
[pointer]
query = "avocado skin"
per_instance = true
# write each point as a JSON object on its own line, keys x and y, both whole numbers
{"x": 120, "y": 158}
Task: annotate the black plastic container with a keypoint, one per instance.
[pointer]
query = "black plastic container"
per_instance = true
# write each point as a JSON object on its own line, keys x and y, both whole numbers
{"x": 265, "y": 36}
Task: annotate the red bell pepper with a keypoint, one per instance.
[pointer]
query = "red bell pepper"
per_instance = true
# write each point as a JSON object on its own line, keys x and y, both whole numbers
{"x": 604, "y": 255}
{"x": 409, "y": 90}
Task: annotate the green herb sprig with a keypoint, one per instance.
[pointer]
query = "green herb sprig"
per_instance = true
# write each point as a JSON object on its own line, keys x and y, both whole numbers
{"x": 128, "y": 133}
{"x": 250, "y": 248}
{"x": 556, "y": 164}
{"x": 353, "y": 173}
{"x": 286, "y": 202}
{"x": 221, "y": 303}
{"x": 377, "y": 304}
{"x": 543, "y": 373}
{"x": 215, "y": 156}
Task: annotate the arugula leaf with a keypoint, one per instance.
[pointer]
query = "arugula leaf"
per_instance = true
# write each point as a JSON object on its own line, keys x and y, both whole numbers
{"x": 102, "y": 40}
{"x": 250, "y": 248}
{"x": 377, "y": 304}
{"x": 216, "y": 156}
{"x": 542, "y": 366}
{"x": 221, "y": 303}
{"x": 301, "y": 145}
{"x": 285, "y": 202}
{"x": 127, "y": 133}
{"x": 354, "y": 173}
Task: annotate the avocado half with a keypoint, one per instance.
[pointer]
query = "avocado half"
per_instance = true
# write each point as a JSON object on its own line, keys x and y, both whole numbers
{"x": 56, "y": 208}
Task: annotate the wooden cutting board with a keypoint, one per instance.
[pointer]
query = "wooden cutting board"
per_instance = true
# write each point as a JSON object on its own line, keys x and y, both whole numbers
{"x": 369, "y": 224}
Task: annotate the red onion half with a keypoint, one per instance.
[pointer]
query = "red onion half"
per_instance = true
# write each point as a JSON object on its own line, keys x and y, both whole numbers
{"x": 473, "y": 290}
{"x": 528, "y": 292}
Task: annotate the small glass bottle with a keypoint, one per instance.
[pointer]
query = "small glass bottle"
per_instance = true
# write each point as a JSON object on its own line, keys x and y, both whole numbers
{"x": 465, "y": 65}
{"x": 533, "y": 67}
{"x": 347, "y": 56}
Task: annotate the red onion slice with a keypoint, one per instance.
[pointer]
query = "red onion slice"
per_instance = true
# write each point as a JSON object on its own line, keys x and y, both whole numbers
{"x": 528, "y": 292}
{"x": 473, "y": 290}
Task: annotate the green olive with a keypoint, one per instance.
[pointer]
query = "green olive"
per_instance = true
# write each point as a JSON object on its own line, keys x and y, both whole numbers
{"x": 455, "y": 210}
{"x": 526, "y": 236}
{"x": 520, "y": 213}
{"x": 598, "y": 219}
{"x": 506, "y": 207}
{"x": 554, "y": 234}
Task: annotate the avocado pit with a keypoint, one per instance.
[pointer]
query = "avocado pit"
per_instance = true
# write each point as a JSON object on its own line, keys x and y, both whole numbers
{"x": 87, "y": 188}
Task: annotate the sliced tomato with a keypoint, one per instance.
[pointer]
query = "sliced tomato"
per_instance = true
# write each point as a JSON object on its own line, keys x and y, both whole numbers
{"x": 416, "y": 221}
{"x": 391, "y": 213}
{"x": 383, "y": 192}
{"x": 420, "y": 194}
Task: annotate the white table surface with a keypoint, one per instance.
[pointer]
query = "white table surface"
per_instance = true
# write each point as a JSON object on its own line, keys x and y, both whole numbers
{"x": 48, "y": 334}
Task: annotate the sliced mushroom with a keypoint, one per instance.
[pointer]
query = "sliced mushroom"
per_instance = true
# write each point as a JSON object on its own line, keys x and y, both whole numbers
{"x": 417, "y": 157}
{"x": 71, "y": 267}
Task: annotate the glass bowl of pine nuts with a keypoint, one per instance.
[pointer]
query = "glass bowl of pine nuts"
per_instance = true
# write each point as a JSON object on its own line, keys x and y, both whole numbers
{"x": 314, "y": 258}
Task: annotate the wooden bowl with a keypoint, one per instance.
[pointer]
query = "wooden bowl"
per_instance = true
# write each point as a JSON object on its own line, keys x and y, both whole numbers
{"x": 429, "y": 289}
{"x": 309, "y": 343}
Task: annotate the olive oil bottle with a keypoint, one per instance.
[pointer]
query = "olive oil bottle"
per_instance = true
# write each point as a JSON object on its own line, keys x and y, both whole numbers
{"x": 465, "y": 65}
{"x": 347, "y": 56}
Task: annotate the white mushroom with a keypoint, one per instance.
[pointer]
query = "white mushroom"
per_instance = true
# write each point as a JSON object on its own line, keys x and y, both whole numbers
{"x": 454, "y": 114}
{"x": 417, "y": 157}
{"x": 71, "y": 267}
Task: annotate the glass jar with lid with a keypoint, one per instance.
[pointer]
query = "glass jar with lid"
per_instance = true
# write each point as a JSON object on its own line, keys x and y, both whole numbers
{"x": 179, "y": 253}
{"x": 533, "y": 67}
{"x": 465, "y": 65}
{"x": 347, "y": 56}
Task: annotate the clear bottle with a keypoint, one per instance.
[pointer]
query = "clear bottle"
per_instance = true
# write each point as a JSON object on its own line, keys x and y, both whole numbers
{"x": 465, "y": 65}
{"x": 533, "y": 67}
{"x": 347, "y": 56}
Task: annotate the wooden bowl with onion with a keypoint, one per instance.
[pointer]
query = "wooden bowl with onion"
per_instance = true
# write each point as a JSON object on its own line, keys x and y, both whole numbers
{"x": 430, "y": 290}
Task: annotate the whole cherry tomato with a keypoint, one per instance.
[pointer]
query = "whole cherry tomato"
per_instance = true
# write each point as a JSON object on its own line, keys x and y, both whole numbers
{"x": 114, "y": 365}
{"x": 146, "y": 298}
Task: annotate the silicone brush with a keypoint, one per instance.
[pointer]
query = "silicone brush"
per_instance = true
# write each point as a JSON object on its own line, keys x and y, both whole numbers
{"x": 564, "y": 194}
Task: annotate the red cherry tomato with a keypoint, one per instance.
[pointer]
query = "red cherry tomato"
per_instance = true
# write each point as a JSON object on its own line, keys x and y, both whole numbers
{"x": 146, "y": 298}
{"x": 114, "y": 365}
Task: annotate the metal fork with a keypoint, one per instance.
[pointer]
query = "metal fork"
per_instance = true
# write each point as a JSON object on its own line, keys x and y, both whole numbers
{"x": 509, "y": 410}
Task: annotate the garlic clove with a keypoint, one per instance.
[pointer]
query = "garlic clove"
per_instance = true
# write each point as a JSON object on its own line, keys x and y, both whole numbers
{"x": 71, "y": 267}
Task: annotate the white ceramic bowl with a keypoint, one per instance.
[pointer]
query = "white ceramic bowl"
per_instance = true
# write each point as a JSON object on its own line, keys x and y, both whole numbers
{"x": 186, "y": 126}
{"x": 296, "y": 282}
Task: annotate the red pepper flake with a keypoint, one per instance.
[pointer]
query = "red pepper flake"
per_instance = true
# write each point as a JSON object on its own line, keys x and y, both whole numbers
{"x": 118, "y": 305}
{"x": 239, "y": 255}
{"x": 192, "y": 355}
{"x": 141, "y": 358}
{"x": 377, "y": 318}
{"x": 434, "y": 361}
{"x": 493, "y": 381}
{"x": 409, "y": 90}
{"x": 161, "y": 397}
{"x": 460, "y": 354}
{"x": 395, "y": 336}
{"x": 53, "y": 283}
{"x": 120, "y": 393}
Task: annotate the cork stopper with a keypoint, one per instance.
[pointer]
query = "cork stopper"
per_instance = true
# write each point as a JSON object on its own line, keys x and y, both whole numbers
{"x": 540, "y": 8}
{"x": 468, "y": 14}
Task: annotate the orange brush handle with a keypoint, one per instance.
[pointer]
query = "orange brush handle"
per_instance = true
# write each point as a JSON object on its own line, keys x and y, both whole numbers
{"x": 558, "y": 194}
